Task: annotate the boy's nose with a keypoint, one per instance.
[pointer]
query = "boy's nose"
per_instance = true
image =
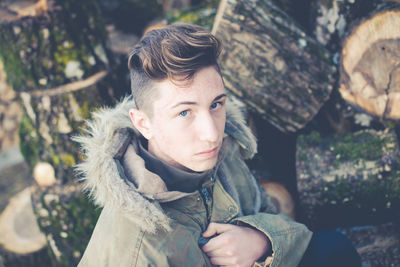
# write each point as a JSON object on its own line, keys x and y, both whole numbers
{"x": 207, "y": 128}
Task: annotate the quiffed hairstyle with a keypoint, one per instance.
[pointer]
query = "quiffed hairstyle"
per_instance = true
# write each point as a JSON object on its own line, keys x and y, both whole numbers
{"x": 175, "y": 52}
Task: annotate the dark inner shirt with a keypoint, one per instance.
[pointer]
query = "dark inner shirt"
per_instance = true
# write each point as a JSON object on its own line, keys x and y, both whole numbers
{"x": 174, "y": 178}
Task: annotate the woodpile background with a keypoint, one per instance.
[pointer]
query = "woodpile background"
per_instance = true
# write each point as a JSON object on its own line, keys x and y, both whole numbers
{"x": 319, "y": 82}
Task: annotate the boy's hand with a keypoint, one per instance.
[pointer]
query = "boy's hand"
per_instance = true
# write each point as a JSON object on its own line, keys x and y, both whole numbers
{"x": 235, "y": 245}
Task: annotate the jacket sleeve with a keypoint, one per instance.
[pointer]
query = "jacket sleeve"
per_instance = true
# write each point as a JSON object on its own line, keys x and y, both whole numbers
{"x": 289, "y": 239}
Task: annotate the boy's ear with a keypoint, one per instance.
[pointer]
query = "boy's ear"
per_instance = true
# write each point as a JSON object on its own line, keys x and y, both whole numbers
{"x": 141, "y": 122}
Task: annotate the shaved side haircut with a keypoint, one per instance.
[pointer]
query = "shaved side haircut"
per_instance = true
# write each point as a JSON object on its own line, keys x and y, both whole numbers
{"x": 175, "y": 52}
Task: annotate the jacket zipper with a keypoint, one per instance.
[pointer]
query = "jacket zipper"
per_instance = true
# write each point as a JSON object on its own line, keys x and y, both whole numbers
{"x": 207, "y": 199}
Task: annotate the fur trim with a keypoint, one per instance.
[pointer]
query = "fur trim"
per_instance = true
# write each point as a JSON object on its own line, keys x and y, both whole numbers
{"x": 100, "y": 173}
{"x": 237, "y": 128}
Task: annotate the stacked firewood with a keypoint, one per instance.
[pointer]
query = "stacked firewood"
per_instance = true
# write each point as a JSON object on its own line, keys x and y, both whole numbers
{"x": 319, "y": 81}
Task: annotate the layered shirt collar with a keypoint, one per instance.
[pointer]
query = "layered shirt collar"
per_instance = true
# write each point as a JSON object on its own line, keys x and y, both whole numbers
{"x": 174, "y": 178}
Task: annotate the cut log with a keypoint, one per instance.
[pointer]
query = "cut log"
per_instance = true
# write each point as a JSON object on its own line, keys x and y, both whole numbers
{"x": 348, "y": 180}
{"x": 58, "y": 63}
{"x": 22, "y": 8}
{"x": 67, "y": 219}
{"x": 271, "y": 64}
{"x": 330, "y": 20}
{"x": 280, "y": 197}
{"x": 19, "y": 232}
{"x": 21, "y": 241}
{"x": 370, "y": 65}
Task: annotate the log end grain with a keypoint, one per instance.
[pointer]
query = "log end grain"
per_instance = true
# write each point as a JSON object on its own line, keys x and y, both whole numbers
{"x": 12, "y": 10}
{"x": 19, "y": 231}
{"x": 280, "y": 197}
{"x": 370, "y": 65}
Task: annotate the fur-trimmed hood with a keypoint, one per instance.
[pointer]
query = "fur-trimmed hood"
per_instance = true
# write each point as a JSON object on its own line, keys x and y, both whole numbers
{"x": 102, "y": 144}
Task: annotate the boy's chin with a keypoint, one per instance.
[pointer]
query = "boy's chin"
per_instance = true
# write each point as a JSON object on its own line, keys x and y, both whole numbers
{"x": 202, "y": 166}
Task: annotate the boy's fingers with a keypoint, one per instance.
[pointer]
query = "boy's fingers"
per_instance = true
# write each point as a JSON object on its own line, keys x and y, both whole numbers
{"x": 217, "y": 228}
{"x": 216, "y": 243}
{"x": 222, "y": 261}
{"x": 217, "y": 253}
{"x": 210, "y": 231}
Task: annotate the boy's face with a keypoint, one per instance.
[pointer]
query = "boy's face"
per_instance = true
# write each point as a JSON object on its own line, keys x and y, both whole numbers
{"x": 188, "y": 122}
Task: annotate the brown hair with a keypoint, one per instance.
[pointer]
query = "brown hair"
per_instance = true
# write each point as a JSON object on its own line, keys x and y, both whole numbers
{"x": 175, "y": 52}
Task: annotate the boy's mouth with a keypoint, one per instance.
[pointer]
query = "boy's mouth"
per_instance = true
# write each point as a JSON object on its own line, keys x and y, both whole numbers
{"x": 208, "y": 152}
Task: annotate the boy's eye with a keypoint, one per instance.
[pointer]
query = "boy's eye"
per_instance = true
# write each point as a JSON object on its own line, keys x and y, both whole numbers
{"x": 184, "y": 113}
{"x": 215, "y": 105}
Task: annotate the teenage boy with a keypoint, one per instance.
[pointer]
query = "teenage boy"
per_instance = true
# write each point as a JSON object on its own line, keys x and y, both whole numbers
{"x": 167, "y": 166}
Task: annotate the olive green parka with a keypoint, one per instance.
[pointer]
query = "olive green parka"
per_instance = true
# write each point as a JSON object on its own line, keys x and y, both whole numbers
{"x": 144, "y": 224}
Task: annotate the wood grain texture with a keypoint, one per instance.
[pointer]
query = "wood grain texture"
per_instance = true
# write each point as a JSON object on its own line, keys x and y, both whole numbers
{"x": 370, "y": 65}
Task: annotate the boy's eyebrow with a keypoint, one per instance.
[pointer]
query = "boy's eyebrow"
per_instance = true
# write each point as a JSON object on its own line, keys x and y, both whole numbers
{"x": 219, "y": 97}
{"x": 194, "y": 103}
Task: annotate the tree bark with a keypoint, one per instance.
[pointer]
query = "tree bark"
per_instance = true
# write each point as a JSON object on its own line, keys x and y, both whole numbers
{"x": 271, "y": 64}
{"x": 61, "y": 45}
{"x": 59, "y": 64}
{"x": 330, "y": 20}
{"x": 10, "y": 113}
